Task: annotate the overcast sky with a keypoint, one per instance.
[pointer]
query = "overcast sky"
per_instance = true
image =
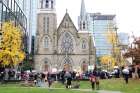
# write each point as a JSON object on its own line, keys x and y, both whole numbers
{"x": 127, "y": 11}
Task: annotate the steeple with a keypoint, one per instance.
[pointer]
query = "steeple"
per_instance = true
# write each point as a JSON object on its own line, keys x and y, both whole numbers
{"x": 83, "y": 19}
{"x": 83, "y": 9}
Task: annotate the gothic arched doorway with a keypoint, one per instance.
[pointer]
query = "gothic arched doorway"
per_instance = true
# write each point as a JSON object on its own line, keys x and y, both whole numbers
{"x": 84, "y": 66}
{"x": 46, "y": 66}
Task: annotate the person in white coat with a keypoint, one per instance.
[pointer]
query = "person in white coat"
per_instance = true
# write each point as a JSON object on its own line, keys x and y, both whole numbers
{"x": 126, "y": 74}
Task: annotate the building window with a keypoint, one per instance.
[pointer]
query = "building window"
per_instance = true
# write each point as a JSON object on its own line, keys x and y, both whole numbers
{"x": 83, "y": 44}
{"x": 52, "y": 4}
{"x": 67, "y": 64}
{"x": 84, "y": 26}
{"x": 47, "y": 4}
{"x": 46, "y": 42}
{"x": 67, "y": 43}
{"x": 46, "y": 24}
{"x": 41, "y": 3}
{"x": 80, "y": 25}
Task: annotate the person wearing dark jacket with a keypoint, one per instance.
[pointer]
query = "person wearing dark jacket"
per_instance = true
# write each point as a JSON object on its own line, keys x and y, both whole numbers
{"x": 92, "y": 80}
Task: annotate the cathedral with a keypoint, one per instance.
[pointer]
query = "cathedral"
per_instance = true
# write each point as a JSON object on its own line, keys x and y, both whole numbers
{"x": 63, "y": 47}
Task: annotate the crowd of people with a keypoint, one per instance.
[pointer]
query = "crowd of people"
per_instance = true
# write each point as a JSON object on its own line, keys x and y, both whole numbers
{"x": 66, "y": 77}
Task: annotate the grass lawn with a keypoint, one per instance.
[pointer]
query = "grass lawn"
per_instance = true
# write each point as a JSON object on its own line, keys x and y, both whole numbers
{"x": 16, "y": 88}
{"x": 119, "y": 85}
{"x": 37, "y": 90}
{"x": 111, "y": 84}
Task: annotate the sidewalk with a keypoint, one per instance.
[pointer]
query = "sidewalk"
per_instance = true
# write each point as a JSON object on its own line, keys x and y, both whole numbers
{"x": 105, "y": 91}
{"x": 98, "y": 91}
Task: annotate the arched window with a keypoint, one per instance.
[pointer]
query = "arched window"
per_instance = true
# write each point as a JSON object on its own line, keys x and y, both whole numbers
{"x": 84, "y": 44}
{"x": 67, "y": 43}
{"x": 46, "y": 42}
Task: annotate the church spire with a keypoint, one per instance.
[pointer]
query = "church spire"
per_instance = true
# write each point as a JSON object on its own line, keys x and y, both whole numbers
{"x": 83, "y": 19}
{"x": 83, "y": 9}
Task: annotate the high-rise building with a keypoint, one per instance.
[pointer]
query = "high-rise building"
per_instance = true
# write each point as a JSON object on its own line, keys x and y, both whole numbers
{"x": 123, "y": 38}
{"x": 29, "y": 7}
{"x": 100, "y": 25}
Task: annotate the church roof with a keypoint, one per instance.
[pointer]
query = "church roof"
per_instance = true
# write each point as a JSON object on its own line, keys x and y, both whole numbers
{"x": 65, "y": 17}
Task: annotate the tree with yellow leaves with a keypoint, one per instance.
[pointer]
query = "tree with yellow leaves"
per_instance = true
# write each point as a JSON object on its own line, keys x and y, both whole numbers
{"x": 112, "y": 37}
{"x": 11, "y": 53}
{"x": 108, "y": 60}
{"x": 116, "y": 51}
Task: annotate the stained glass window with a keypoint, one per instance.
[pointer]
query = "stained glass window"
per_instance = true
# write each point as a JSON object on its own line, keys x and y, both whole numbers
{"x": 67, "y": 64}
{"x": 67, "y": 43}
{"x": 67, "y": 60}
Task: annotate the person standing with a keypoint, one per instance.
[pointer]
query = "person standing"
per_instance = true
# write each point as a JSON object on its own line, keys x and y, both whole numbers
{"x": 49, "y": 79}
{"x": 96, "y": 73}
{"x": 69, "y": 79}
{"x": 126, "y": 74}
{"x": 92, "y": 80}
{"x": 97, "y": 79}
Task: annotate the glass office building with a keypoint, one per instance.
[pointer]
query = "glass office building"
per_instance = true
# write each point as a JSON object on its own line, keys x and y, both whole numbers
{"x": 99, "y": 26}
{"x": 123, "y": 38}
{"x": 29, "y": 7}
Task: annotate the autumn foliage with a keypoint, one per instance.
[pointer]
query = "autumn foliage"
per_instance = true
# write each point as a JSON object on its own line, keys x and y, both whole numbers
{"x": 116, "y": 50}
{"x": 112, "y": 37}
{"x": 11, "y": 53}
{"x": 107, "y": 60}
